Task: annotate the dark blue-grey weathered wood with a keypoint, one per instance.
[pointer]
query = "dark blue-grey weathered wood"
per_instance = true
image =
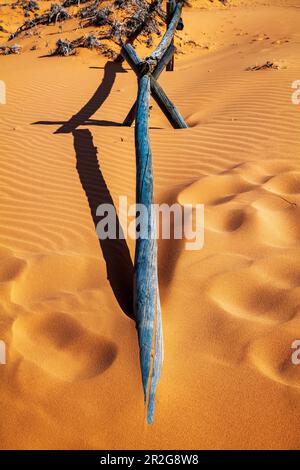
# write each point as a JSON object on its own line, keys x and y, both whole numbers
{"x": 168, "y": 36}
{"x": 147, "y": 303}
{"x": 166, "y": 105}
{"x": 171, "y": 5}
{"x": 128, "y": 121}
{"x": 147, "y": 307}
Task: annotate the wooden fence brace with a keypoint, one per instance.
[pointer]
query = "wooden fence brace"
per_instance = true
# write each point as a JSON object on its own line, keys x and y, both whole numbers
{"x": 166, "y": 105}
{"x": 128, "y": 121}
{"x": 171, "y": 5}
{"x": 164, "y": 61}
{"x": 168, "y": 36}
{"x": 147, "y": 302}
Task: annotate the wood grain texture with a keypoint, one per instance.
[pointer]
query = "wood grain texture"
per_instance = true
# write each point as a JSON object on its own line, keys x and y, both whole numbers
{"x": 147, "y": 307}
{"x": 147, "y": 302}
{"x": 168, "y": 36}
{"x": 171, "y": 5}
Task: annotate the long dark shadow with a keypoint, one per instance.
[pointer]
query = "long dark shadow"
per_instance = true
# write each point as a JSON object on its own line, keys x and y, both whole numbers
{"x": 88, "y": 122}
{"x": 115, "y": 252}
{"x": 101, "y": 94}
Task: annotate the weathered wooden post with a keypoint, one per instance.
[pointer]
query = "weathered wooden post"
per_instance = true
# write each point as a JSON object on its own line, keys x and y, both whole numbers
{"x": 171, "y": 5}
{"x": 147, "y": 302}
{"x": 167, "y": 37}
{"x": 147, "y": 308}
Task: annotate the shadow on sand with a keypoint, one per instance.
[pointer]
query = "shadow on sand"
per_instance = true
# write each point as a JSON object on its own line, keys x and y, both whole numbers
{"x": 116, "y": 254}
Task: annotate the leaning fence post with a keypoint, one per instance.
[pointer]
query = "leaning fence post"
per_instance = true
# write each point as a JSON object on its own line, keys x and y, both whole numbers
{"x": 147, "y": 307}
{"x": 171, "y": 5}
{"x": 146, "y": 302}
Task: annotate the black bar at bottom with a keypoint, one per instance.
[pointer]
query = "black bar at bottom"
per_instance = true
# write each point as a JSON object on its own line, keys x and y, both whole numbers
{"x": 143, "y": 458}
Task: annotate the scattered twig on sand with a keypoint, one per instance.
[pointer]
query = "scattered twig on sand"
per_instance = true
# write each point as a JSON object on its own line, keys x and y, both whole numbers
{"x": 56, "y": 13}
{"x": 68, "y": 3}
{"x": 293, "y": 204}
{"x": 66, "y": 48}
{"x": 267, "y": 65}
{"x": 14, "y": 49}
{"x": 30, "y": 6}
{"x": 139, "y": 17}
{"x": 142, "y": 17}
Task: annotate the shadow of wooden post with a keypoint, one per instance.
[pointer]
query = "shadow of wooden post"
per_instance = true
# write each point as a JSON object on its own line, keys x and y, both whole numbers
{"x": 115, "y": 251}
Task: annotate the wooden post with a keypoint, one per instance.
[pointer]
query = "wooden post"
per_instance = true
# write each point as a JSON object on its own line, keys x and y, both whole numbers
{"x": 171, "y": 5}
{"x": 147, "y": 307}
{"x": 168, "y": 36}
{"x": 164, "y": 61}
{"x": 166, "y": 105}
{"x": 147, "y": 302}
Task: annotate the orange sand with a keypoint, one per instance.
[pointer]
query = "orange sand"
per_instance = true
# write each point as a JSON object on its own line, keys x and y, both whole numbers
{"x": 230, "y": 311}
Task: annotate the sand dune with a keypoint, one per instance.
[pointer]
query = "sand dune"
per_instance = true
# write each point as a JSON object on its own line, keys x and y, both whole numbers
{"x": 62, "y": 347}
{"x": 230, "y": 310}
